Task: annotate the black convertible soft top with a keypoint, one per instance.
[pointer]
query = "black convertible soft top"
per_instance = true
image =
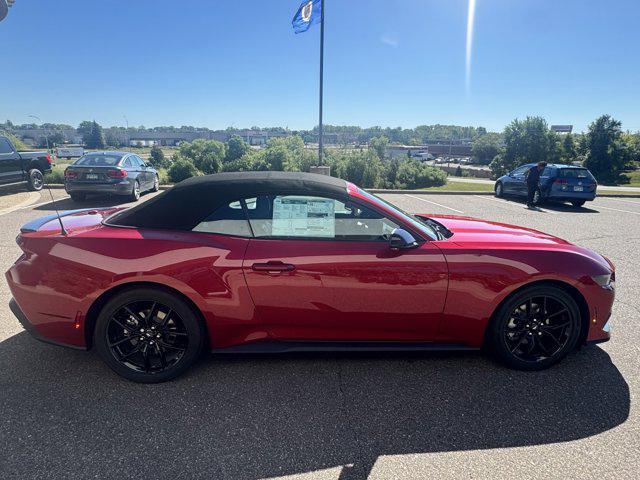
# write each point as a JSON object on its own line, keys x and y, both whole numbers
{"x": 191, "y": 201}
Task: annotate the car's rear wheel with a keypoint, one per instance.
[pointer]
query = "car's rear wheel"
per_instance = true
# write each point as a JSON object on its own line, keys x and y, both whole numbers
{"x": 578, "y": 203}
{"x": 35, "y": 181}
{"x": 499, "y": 189}
{"x": 148, "y": 335}
{"x": 534, "y": 329}
{"x": 77, "y": 196}
{"x": 135, "y": 193}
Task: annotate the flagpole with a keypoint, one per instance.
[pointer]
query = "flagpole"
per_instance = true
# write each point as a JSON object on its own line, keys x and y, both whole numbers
{"x": 320, "y": 136}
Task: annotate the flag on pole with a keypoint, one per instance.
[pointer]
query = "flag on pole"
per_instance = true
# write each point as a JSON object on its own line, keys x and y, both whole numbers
{"x": 308, "y": 13}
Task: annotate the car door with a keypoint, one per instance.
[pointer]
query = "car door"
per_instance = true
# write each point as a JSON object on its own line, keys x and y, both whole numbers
{"x": 10, "y": 163}
{"x": 133, "y": 171}
{"x": 321, "y": 269}
{"x": 515, "y": 184}
{"x": 145, "y": 173}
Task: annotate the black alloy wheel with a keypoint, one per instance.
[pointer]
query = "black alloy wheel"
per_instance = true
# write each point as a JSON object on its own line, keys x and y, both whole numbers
{"x": 148, "y": 335}
{"x": 499, "y": 189}
{"x": 536, "y": 328}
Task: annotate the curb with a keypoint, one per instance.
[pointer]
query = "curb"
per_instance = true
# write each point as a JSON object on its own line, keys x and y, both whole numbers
{"x": 420, "y": 192}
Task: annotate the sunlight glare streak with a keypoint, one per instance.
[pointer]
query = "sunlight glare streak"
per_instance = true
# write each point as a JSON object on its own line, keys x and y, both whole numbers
{"x": 470, "y": 20}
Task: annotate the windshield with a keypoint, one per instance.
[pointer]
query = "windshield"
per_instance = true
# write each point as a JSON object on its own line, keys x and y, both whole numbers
{"x": 420, "y": 225}
{"x": 99, "y": 160}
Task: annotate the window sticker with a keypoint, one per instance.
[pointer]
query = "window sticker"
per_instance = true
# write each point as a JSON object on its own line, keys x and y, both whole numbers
{"x": 303, "y": 217}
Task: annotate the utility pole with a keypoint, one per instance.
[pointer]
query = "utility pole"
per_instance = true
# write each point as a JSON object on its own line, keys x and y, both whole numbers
{"x": 320, "y": 134}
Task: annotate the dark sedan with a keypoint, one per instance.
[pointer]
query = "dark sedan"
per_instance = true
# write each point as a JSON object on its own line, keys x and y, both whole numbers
{"x": 116, "y": 173}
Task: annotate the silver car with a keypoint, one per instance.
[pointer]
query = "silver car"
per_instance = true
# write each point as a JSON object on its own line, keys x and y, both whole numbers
{"x": 116, "y": 173}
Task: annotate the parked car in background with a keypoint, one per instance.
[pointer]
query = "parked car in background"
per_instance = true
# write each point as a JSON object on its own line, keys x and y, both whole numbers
{"x": 70, "y": 151}
{"x": 116, "y": 173}
{"x": 284, "y": 261}
{"x": 17, "y": 167}
{"x": 558, "y": 182}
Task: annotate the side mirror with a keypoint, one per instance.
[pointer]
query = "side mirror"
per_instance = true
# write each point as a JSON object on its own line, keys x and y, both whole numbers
{"x": 401, "y": 240}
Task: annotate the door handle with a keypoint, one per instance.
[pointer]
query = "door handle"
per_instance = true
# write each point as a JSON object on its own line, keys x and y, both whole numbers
{"x": 273, "y": 266}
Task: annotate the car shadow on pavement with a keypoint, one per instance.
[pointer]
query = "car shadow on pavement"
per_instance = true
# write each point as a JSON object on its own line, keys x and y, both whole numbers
{"x": 64, "y": 414}
{"x": 555, "y": 206}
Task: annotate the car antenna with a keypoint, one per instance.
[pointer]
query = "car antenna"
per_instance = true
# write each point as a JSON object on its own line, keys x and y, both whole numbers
{"x": 53, "y": 201}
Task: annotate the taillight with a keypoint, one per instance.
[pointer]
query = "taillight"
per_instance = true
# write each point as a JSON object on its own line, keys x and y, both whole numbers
{"x": 561, "y": 181}
{"x": 70, "y": 174}
{"x": 117, "y": 173}
{"x": 48, "y": 157}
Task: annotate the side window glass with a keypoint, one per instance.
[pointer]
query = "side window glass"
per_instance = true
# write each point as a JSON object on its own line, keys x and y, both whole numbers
{"x": 5, "y": 146}
{"x": 229, "y": 219}
{"x": 127, "y": 163}
{"x": 301, "y": 216}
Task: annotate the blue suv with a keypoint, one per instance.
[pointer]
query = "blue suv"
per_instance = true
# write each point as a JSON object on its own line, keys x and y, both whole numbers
{"x": 558, "y": 182}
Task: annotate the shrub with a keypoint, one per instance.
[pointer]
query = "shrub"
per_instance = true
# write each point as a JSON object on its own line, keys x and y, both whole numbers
{"x": 56, "y": 176}
{"x": 205, "y": 155}
{"x": 414, "y": 174}
{"x": 157, "y": 158}
{"x": 181, "y": 169}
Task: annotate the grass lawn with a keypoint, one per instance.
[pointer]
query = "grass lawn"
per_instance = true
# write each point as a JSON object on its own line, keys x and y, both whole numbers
{"x": 461, "y": 187}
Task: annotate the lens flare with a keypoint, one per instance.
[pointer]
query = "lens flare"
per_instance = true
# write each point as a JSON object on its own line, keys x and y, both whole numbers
{"x": 470, "y": 21}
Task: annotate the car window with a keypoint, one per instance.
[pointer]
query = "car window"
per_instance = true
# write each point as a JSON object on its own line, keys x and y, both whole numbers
{"x": 548, "y": 172}
{"x": 99, "y": 160}
{"x": 5, "y": 146}
{"x": 229, "y": 219}
{"x": 520, "y": 170}
{"x": 315, "y": 217}
{"x": 574, "y": 173}
{"x": 139, "y": 161}
{"x": 127, "y": 163}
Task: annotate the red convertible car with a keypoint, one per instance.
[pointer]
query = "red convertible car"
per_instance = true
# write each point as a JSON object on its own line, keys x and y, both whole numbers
{"x": 276, "y": 262}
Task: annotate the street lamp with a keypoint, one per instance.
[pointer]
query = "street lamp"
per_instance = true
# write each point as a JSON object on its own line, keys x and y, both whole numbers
{"x": 46, "y": 137}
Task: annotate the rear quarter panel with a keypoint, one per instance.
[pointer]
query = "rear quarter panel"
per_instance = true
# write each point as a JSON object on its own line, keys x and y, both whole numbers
{"x": 58, "y": 278}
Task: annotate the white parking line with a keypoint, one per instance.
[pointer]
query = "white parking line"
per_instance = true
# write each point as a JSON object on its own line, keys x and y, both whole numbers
{"x": 510, "y": 204}
{"x": 617, "y": 210}
{"x": 434, "y": 203}
{"x": 619, "y": 200}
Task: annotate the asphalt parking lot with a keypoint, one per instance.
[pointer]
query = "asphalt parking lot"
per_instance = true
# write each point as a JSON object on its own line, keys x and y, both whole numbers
{"x": 63, "y": 414}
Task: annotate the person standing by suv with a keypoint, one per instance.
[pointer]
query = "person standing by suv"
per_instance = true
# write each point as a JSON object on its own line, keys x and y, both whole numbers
{"x": 532, "y": 177}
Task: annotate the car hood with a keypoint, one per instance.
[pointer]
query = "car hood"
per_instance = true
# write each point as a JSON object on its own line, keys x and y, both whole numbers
{"x": 471, "y": 232}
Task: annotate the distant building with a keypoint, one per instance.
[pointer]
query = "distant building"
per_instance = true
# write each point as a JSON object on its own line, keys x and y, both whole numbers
{"x": 562, "y": 128}
{"x": 32, "y": 136}
{"x": 461, "y": 149}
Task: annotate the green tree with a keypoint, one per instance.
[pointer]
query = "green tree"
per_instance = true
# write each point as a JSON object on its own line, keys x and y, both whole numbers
{"x": 526, "y": 141}
{"x": 19, "y": 144}
{"x": 157, "y": 157}
{"x": 486, "y": 147}
{"x": 236, "y": 148}
{"x": 608, "y": 154}
{"x": 206, "y": 155}
{"x": 92, "y": 135}
{"x": 181, "y": 169}
{"x": 379, "y": 146}
{"x": 569, "y": 151}
{"x": 415, "y": 174}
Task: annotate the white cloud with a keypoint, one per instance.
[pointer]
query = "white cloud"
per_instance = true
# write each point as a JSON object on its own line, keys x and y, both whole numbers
{"x": 390, "y": 40}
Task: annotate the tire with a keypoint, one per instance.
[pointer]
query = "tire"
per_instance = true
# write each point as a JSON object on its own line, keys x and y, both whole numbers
{"x": 499, "y": 189}
{"x": 77, "y": 196}
{"x": 134, "y": 196}
{"x": 578, "y": 203}
{"x": 35, "y": 180}
{"x": 156, "y": 184}
{"x": 523, "y": 341}
{"x": 148, "y": 335}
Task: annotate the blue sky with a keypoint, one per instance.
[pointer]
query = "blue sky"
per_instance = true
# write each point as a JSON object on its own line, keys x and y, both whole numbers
{"x": 388, "y": 62}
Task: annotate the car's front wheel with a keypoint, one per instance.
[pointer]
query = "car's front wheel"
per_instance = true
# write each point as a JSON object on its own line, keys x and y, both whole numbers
{"x": 499, "y": 189}
{"x": 577, "y": 203}
{"x": 148, "y": 335}
{"x": 535, "y": 328}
